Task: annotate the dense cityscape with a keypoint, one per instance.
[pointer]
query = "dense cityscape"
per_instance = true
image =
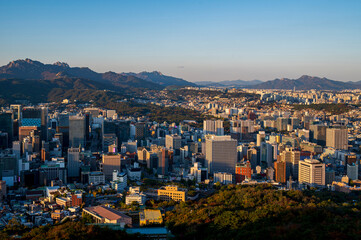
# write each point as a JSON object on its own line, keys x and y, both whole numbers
{"x": 182, "y": 120}
{"x": 73, "y": 161}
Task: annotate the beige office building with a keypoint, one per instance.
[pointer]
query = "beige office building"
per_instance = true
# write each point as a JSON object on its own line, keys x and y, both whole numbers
{"x": 173, "y": 141}
{"x": 172, "y": 193}
{"x": 337, "y": 138}
{"x": 311, "y": 172}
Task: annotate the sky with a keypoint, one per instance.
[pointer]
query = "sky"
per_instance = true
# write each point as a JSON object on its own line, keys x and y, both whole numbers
{"x": 194, "y": 40}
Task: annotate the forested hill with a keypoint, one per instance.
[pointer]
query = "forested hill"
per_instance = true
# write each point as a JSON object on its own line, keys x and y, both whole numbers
{"x": 262, "y": 212}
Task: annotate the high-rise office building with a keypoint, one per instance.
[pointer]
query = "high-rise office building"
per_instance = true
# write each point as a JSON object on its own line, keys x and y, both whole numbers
{"x": 173, "y": 141}
{"x": 221, "y": 154}
{"x": 25, "y": 131}
{"x": 77, "y": 131}
{"x": 260, "y": 137}
{"x": 8, "y": 163}
{"x": 74, "y": 162}
{"x": 281, "y": 123}
{"x": 52, "y": 171}
{"x": 63, "y": 128}
{"x": 352, "y": 171}
{"x": 120, "y": 128}
{"x": 163, "y": 161}
{"x": 252, "y": 156}
{"x": 110, "y": 163}
{"x": 6, "y": 126}
{"x": 295, "y": 122}
{"x": 280, "y": 171}
{"x": 337, "y": 138}
{"x": 44, "y": 124}
{"x": 17, "y": 110}
{"x": 213, "y": 127}
{"x": 2, "y": 190}
{"x": 31, "y": 116}
{"x": 266, "y": 155}
{"x": 34, "y": 116}
{"x": 141, "y": 131}
{"x": 311, "y": 172}
{"x": 109, "y": 139}
{"x": 291, "y": 158}
{"x": 318, "y": 134}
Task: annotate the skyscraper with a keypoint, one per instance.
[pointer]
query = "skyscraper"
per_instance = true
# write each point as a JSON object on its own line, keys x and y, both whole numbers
{"x": 77, "y": 131}
{"x": 281, "y": 124}
{"x": 221, "y": 154}
{"x": 318, "y": 134}
{"x": 173, "y": 141}
{"x": 110, "y": 162}
{"x": 280, "y": 171}
{"x": 31, "y": 116}
{"x": 260, "y": 137}
{"x": 44, "y": 124}
{"x": 74, "y": 162}
{"x": 6, "y": 125}
{"x": 291, "y": 158}
{"x": 266, "y": 155}
{"x": 34, "y": 116}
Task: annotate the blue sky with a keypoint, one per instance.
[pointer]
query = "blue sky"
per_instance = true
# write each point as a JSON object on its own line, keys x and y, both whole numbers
{"x": 194, "y": 40}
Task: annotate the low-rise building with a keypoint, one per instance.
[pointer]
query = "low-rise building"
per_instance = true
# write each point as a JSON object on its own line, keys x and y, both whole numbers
{"x": 140, "y": 198}
{"x": 149, "y": 216}
{"x": 172, "y": 193}
{"x": 57, "y": 215}
{"x": 64, "y": 202}
{"x": 96, "y": 178}
{"x": 101, "y": 214}
{"x": 223, "y": 177}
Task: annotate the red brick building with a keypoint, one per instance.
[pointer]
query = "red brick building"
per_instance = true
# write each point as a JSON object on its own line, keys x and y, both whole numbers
{"x": 280, "y": 171}
{"x": 243, "y": 171}
{"x": 76, "y": 200}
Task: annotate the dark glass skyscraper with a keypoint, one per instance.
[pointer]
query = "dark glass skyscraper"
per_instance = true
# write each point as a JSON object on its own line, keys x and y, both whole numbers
{"x": 6, "y": 125}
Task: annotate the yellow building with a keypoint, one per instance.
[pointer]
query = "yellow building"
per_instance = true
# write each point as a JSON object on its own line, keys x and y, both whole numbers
{"x": 57, "y": 215}
{"x": 64, "y": 202}
{"x": 150, "y": 217}
{"x": 172, "y": 193}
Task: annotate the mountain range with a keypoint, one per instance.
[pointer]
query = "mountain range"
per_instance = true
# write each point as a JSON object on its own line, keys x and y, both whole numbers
{"x": 306, "y": 82}
{"x": 35, "y": 70}
{"x": 229, "y": 83}
{"x": 38, "y": 82}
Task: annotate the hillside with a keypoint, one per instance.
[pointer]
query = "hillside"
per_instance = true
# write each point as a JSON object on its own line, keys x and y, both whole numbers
{"x": 37, "y": 91}
{"x": 263, "y": 212}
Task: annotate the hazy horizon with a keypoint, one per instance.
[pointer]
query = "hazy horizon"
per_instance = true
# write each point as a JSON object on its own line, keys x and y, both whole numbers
{"x": 196, "y": 41}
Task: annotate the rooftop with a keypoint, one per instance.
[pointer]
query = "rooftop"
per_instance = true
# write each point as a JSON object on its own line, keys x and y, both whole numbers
{"x": 105, "y": 212}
